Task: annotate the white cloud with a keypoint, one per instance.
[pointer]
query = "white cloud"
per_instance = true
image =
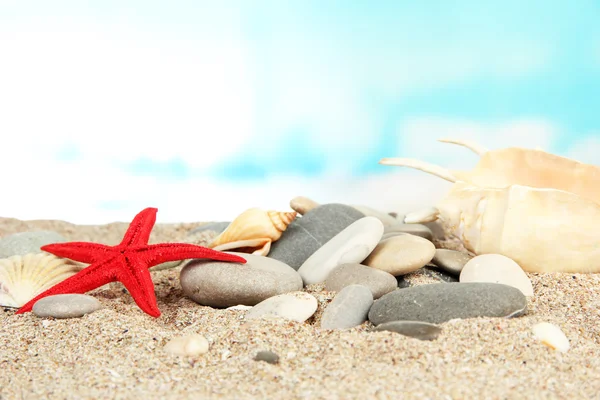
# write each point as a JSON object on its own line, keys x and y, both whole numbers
{"x": 117, "y": 94}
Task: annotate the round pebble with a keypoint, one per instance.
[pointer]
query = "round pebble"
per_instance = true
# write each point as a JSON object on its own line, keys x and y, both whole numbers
{"x": 496, "y": 268}
{"x": 27, "y": 242}
{"x": 302, "y": 204}
{"x": 349, "y": 308}
{"x": 187, "y": 346}
{"x": 451, "y": 261}
{"x": 439, "y": 302}
{"x": 225, "y": 284}
{"x": 352, "y": 245}
{"x": 378, "y": 281}
{"x": 415, "y": 329}
{"x": 401, "y": 255}
{"x": 297, "y": 306}
{"x": 66, "y": 306}
{"x": 267, "y": 356}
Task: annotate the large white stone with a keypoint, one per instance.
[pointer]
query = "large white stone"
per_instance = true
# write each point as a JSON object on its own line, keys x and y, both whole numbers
{"x": 496, "y": 268}
{"x": 352, "y": 245}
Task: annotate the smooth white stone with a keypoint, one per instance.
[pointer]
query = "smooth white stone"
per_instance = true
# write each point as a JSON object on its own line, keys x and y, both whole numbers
{"x": 552, "y": 336}
{"x": 352, "y": 245}
{"x": 191, "y": 345}
{"x": 296, "y": 306}
{"x": 496, "y": 268}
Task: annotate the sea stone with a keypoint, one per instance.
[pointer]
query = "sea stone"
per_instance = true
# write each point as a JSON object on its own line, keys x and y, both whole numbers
{"x": 401, "y": 255}
{"x": 211, "y": 226}
{"x": 415, "y": 329}
{"x": 267, "y": 356}
{"x": 440, "y": 302}
{"x": 451, "y": 261}
{"x": 225, "y": 284}
{"x": 385, "y": 218}
{"x": 352, "y": 245}
{"x": 190, "y": 345}
{"x": 413, "y": 229}
{"x": 498, "y": 269}
{"x": 66, "y": 306}
{"x": 378, "y": 281}
{"x": 27, "y": 242}
{"x": 349, "y": 308}
{"x": 297, "y": 306}
{"x": 302, "y": 204}
{"x": 307, "y": 234}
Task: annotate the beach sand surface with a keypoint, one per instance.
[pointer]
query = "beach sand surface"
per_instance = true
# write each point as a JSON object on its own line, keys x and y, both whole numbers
{"x": 117, "y": 352}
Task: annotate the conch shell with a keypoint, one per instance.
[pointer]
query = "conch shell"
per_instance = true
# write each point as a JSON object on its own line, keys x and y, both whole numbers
{"x": 24, "y": 277}
{"x": 537, "y": 208}
{"x": 253, "y": 231}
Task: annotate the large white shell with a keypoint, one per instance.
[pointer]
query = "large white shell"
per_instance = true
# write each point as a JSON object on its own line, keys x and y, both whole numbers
{"x": 539, "y": 209}
{"x": 24, "y": 277}
{"x": 253, "y": 231}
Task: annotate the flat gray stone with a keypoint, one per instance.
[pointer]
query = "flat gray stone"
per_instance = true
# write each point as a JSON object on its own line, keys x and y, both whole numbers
{"x": 351, "y": 245}
{"x": 415, "y": 329}
{"x": 437, "y": 303}
{"x": 225, "y": 284}
{"x": 211, "y": 226}
{"x": 66, "y": 306}
{"x": 307, "y": 234}
{"x": 349, "y": 308}
{"x": 378, "y": 281}
{"x": 451, "y": 261}
{"x": 19, "y": 244}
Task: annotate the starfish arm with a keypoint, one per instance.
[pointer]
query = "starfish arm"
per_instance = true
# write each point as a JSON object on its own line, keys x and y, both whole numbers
{"x": 87, "y": 279}
{"x": 79, "y": 251}
{"x": 140, "y": 228}
{"x": 163, "y": 252}
{"x": 136, "y": 278}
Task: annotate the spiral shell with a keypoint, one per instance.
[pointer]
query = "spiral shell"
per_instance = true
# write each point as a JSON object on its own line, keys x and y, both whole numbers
{"x": 539, "y": 209}
{"x": 253, "y": 231}
{"x": 24, "y": 277}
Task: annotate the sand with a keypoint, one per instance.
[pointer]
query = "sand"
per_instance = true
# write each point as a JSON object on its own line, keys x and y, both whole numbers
{"x": 117, "y": 352}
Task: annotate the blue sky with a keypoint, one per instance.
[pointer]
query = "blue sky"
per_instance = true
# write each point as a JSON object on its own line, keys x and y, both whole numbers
{"x": 144, "y": 103}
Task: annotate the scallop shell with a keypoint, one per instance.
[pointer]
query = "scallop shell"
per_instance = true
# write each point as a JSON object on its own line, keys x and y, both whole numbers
{"x": 24, "y": 277}
{"x": 537, "y": 208}
{"x": 253, "y": 231}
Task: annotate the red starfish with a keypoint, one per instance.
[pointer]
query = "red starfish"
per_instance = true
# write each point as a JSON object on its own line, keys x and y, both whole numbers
{"x": 128, "y": 263}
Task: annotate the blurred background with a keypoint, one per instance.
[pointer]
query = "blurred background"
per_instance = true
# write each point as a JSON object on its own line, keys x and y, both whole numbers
{"x": 206, "y": 108}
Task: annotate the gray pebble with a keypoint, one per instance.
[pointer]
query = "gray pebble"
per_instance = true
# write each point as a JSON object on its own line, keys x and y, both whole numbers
{"x": 437, "y": 303}
{"x": 378, "y": 281}
{"x": 211, "y": 226}
{"x": 413, "y": 229}
{"x": 451, "y": 261}
{"x": 349, "y": 308}
{"x": 27, "y": 242}
{"x": 267, "y": 356}
{"x": 416, "y": 329}
{"x": 225, "y": 284}
{"x": 307, "y": 234}
{"x": 66, "y": 306}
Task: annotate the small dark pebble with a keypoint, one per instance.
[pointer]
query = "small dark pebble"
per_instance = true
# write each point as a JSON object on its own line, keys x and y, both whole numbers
{"x": 267, "y": 356}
